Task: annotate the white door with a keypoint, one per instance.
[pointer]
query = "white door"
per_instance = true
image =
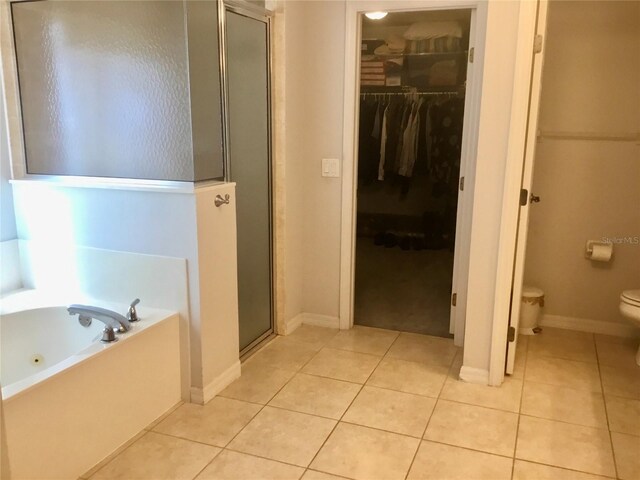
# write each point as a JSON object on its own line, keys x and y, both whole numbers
{"x": 527, "y": 178}
{"x": 465, "y": 206}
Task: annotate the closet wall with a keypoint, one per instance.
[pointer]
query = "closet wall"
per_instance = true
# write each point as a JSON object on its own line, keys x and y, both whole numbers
{"x": 313, "y": 104}
{"x": 589, "y": 189}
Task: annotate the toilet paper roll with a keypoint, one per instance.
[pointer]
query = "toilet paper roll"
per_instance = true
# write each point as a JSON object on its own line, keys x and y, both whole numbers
{"x": 600, "y": 252}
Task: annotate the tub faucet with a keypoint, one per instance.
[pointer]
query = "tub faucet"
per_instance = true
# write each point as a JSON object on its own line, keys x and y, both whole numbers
{"x": 111, "y": 319}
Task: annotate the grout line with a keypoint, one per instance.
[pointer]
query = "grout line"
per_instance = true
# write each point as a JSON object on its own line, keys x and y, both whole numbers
{"x": 424, "y": 432}
{"x": 200, "y": 442}
{"x": 439, "y": 442}
{"x": 598, "y": 475}
{"x": 259, "y": 411}
{"x": 142, "y": 433}
{"x": 345, "y": 412}
{"x": 263, "y": 458}
{"x": 564, "y": 422}
{"x": 606, "y": 410}
{"x": 320, "y": 471}
{"x": 524, "y": 373}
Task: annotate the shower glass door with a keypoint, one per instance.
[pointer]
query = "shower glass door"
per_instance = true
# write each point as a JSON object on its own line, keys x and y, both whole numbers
{"x": 249, "y": 165}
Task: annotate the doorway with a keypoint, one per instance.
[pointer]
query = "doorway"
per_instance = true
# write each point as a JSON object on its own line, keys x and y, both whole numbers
{"x": 248, "y": 105}
{"x": 413, "y": 73}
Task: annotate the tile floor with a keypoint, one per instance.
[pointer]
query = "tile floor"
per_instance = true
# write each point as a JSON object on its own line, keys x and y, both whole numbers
{"x": 376, "y": 404}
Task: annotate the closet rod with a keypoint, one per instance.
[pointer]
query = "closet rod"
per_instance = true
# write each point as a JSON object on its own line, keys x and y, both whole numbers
{"x": 410, "y": 93}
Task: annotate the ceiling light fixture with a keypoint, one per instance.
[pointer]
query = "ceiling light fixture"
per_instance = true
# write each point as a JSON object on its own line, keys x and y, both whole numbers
{"x": 375, "y": 15}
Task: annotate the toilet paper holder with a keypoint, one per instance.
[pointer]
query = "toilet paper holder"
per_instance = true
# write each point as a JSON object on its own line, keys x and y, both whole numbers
{"x": 589, "y": 253}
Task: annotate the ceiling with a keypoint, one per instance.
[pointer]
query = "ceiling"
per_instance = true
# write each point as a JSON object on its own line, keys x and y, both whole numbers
{"x": 404, "y": 19}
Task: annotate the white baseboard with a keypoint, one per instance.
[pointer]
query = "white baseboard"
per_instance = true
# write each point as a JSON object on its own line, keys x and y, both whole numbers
{"x": 203, "y": 395}
{"x": 592, "y": 326}
{"x": 320, "y": 320}
{"x": 292, "y": 324}
{"x": 474, "y": 375}
{"x": 311, "y": 319}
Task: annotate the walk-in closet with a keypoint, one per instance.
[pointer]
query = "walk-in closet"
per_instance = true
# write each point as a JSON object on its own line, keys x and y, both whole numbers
{"x": 411, "y": 109}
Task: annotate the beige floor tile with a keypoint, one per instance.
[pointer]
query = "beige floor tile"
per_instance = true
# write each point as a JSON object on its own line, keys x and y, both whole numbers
{"x": 342, "y": 365}
{"x": 559, "y": 343}
{"x": 316, "y": 395}
{"x": 435, "y": 461}
{"x": 564, "y": 404}
{"x": 601, "y": 338}
{"x": 314, "y": 475}
{"x": 282, "y": 435}
{"x": 454, "y": 370}
{"x": 575, "y": 447}
{"x": 286, "y": 354}
{"x": 534, "y": 471}
{"x": 364, "y": 340}
{"x": 479, "y": 428}
{"x": 521, "y": 357}
{"x": 563, "y": 373}
{"x": 617, "y": 354}
{"x": 626, "y": 449}
{"x": 159, "y": 457}
{"x": 239, "y": 466}
{"x": 621, "y": 382}
{"x": 366, "y": 454}
{"x": 318, "y": 337}
{"x": 410, "y": 377}
{"x": 505, "y": 397}
{"x": 215, "y": 423}
{"x": 258, "y": 383}
{"x": 423, "y": 349}
{"x": 624, "y": 415}
{"x": 390, "y": 410}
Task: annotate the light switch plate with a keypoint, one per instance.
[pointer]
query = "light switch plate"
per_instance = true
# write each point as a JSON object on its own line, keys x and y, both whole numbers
{"x": 330, "y": 167}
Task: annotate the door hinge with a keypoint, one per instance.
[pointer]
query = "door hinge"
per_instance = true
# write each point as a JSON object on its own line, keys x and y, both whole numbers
{"x": 461, "y": 183}
{"x": 511, "y": 334}
{"x": 472, "y": 51}
{"x": 537, "y": 44}
{"x": 454, "y": 299}
{"x": 524, "y": 197}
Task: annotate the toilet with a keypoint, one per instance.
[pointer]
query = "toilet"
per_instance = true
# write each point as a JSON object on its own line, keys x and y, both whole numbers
{"x": 630, "y": 308}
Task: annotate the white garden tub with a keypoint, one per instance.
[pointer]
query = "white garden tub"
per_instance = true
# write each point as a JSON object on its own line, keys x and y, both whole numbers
{"x": 70, "y": 400}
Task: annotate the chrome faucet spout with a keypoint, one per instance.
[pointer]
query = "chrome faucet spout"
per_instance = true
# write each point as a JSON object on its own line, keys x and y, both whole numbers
{"x": 111, "y": 319}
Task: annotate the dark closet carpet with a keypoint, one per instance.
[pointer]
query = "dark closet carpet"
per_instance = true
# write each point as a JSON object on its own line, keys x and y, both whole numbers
{"x": 404, "y": 290}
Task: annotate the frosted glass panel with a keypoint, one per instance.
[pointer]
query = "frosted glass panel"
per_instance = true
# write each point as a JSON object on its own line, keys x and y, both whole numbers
{"x": 247, "y": 64}
{"x": 105, "y": 91}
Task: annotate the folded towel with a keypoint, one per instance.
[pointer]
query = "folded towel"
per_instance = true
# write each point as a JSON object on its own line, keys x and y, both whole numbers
{"x": 422, "y": 30}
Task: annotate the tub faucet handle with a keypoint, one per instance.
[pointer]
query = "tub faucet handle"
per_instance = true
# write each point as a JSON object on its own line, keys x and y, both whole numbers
{"x": 108, "y": 335}
{"x": 132, "y": 314}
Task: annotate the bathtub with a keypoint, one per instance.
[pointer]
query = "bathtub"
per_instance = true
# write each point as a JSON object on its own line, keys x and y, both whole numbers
{"x": 70, "y": 400}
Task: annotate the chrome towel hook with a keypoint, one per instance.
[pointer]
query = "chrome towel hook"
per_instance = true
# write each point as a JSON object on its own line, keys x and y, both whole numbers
{"x": 219, "y": 201}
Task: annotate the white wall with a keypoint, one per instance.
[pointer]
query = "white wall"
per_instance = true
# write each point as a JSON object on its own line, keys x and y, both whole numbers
{"x": 314, "y": 68}
{"x": 589, "y": 190}
{"x": 314, "y": 98}
{"x": 7, "y": 218}
{"x": 126, "y": 221}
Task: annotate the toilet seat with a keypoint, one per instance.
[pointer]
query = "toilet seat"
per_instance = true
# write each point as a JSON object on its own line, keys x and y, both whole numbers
{"x": 631, "y": 297}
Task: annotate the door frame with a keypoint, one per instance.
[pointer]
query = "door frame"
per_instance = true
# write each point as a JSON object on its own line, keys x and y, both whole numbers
{"x": 263, "y": 15}
{"x": 518, "y": 175}
{"x": 354, "y": 10}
